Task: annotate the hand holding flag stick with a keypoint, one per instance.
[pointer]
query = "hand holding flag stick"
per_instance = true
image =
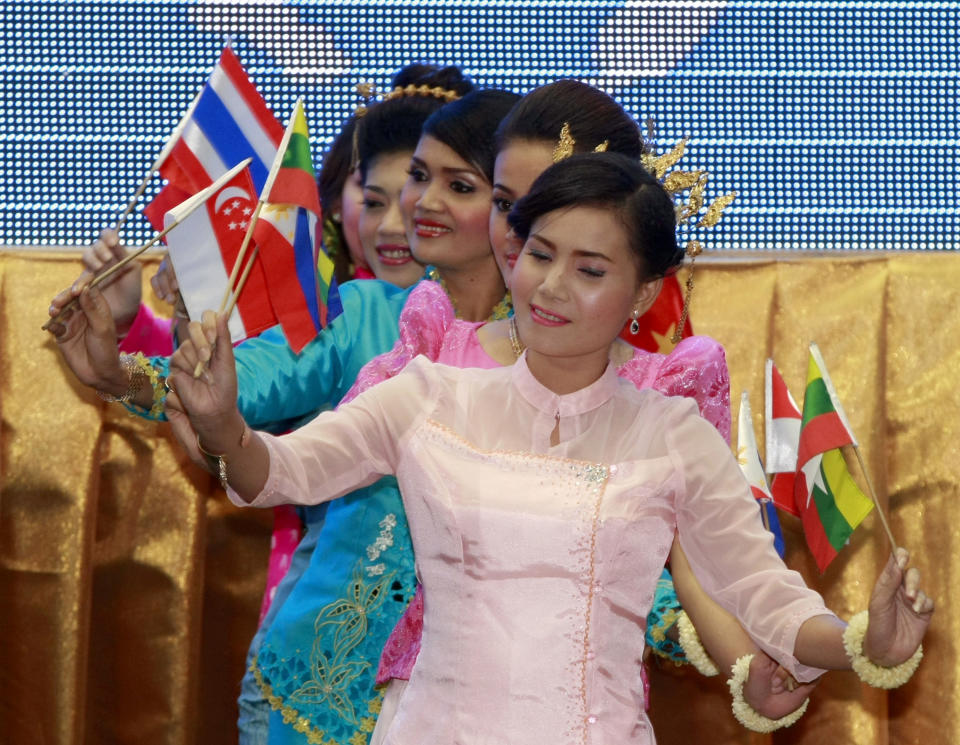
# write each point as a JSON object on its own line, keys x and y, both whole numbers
{"x": 189, "y": 206}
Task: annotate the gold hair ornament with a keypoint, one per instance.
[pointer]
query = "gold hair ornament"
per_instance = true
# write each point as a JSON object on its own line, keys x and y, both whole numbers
{"x": 444, "y": 94}
{"x": 687, "y": 208}
{"x": 564, "y": 147}
{"x": 366, "y": 91}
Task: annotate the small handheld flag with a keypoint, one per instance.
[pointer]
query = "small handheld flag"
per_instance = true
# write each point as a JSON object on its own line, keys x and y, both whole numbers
{"x": 830, "y": 503}
{"x": 228, "y": 122}
{"x": 749, "y": 458}
{"x": 205, "y": 245}
{"x": 782, "y": 434}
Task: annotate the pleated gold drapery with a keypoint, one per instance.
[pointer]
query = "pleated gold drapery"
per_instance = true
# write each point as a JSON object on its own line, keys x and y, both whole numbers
{"x": 129, "y": 587}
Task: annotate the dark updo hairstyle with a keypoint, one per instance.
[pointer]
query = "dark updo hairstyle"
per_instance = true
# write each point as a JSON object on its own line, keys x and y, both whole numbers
{"x": 592, "y": 115}
{"x": 394, "y": 124}
{"x": 615, "y": 182}
{"x": 469, "y": 126}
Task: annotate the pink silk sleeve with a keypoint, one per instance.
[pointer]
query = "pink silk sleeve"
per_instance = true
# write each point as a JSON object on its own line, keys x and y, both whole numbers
{"x": 731, "y": 554}
{"x": 350, "y": 447}
{"x": 149, "y": 334}
{"x": 424, "y": 321}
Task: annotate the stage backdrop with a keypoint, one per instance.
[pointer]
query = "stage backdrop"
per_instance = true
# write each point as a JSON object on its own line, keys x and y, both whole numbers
{"x": 834, "y": 121}
{"x": 129, "y": 586}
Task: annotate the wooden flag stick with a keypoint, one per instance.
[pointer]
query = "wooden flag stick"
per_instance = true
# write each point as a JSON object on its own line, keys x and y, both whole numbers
{"x": 158, "y": 161}
{"x": 242, "y": 281}
{"x": 110, "y": 271}
{"x": 187, "y": 207}
{"x": 241, "y": 255}
{"x": 873, "y": 496}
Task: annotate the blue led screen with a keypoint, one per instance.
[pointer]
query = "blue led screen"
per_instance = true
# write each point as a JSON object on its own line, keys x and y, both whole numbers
{"x": 835, "y": 122}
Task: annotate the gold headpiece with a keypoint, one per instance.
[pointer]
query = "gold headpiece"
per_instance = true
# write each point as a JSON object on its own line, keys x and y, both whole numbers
{"x": 436, "y": 91}
{"x": 564, "y": 147}
{"x": 676, "y": 183}
{"x": 366, "y": 91}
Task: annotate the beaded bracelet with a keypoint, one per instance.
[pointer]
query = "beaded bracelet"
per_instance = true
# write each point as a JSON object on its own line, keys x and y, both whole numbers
{"x": 138, "y": 369}
{"x": 746, "y": 714}
{"x": 868, "y": 671}
{"x": 135, "y": 378}
{"x": 692, "y": 648}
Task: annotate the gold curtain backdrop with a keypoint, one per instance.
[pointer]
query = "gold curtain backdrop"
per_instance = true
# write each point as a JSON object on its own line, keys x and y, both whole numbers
{"x": 129, "y": 586}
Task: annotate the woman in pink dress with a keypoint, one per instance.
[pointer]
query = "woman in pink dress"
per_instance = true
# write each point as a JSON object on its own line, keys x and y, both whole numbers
{"x": 543, "y": 498}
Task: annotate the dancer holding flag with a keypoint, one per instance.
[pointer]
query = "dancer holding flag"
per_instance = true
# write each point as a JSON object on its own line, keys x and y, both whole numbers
{"x": 588, "y": 511}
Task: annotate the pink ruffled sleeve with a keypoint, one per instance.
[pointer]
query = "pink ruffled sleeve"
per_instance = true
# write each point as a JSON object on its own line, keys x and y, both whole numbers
{"x": 149, "y": 334}
{"x": 424, "y": 321}
{"x": 696, "y": 368}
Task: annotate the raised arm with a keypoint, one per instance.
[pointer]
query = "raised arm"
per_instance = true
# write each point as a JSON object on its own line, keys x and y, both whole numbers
{"x": 337, "y": 452}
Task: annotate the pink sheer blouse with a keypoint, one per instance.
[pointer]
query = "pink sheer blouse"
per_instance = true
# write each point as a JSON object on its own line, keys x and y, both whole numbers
{"x": 539, "y": 562}
{"x": 696, "y": 369}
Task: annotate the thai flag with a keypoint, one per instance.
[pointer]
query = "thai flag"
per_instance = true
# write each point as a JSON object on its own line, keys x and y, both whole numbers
{"x": 228, "y": 123}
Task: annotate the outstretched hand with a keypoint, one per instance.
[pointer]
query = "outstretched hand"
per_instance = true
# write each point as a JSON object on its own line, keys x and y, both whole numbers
{"x": 87, "y": 337}
{"x": 771, "y": 691}
{"x": 900, "y": 613}
{"x": 206, "y": 405}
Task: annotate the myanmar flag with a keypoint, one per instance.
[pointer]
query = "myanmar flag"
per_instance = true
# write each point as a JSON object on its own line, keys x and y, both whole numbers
{"x": 830, "y": 503}
{"x": 288, "y": 234}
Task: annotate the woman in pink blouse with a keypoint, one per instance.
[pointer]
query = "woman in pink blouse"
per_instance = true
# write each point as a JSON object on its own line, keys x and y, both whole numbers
{"x": 543, "y": 498}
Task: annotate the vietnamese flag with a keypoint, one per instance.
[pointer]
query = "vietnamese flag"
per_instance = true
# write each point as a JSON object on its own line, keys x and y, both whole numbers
{"x": 658, "y": 325}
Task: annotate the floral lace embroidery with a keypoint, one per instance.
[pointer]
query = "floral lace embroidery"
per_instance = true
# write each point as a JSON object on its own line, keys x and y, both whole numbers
{"x": 340, "y": 627}
{"x": 381, "y": 544}
{"x": 303, "y": 725}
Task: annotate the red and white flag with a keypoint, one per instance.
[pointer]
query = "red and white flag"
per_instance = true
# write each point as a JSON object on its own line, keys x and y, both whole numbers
{"x": 204, "y": 249}
{"x": 782, "y": 433}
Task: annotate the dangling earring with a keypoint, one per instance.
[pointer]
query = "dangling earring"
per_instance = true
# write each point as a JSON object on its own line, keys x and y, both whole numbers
{"x": 634, "y": 322}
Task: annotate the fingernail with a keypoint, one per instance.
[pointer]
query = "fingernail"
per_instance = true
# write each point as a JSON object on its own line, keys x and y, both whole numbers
{"x": 207, "y": 377}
